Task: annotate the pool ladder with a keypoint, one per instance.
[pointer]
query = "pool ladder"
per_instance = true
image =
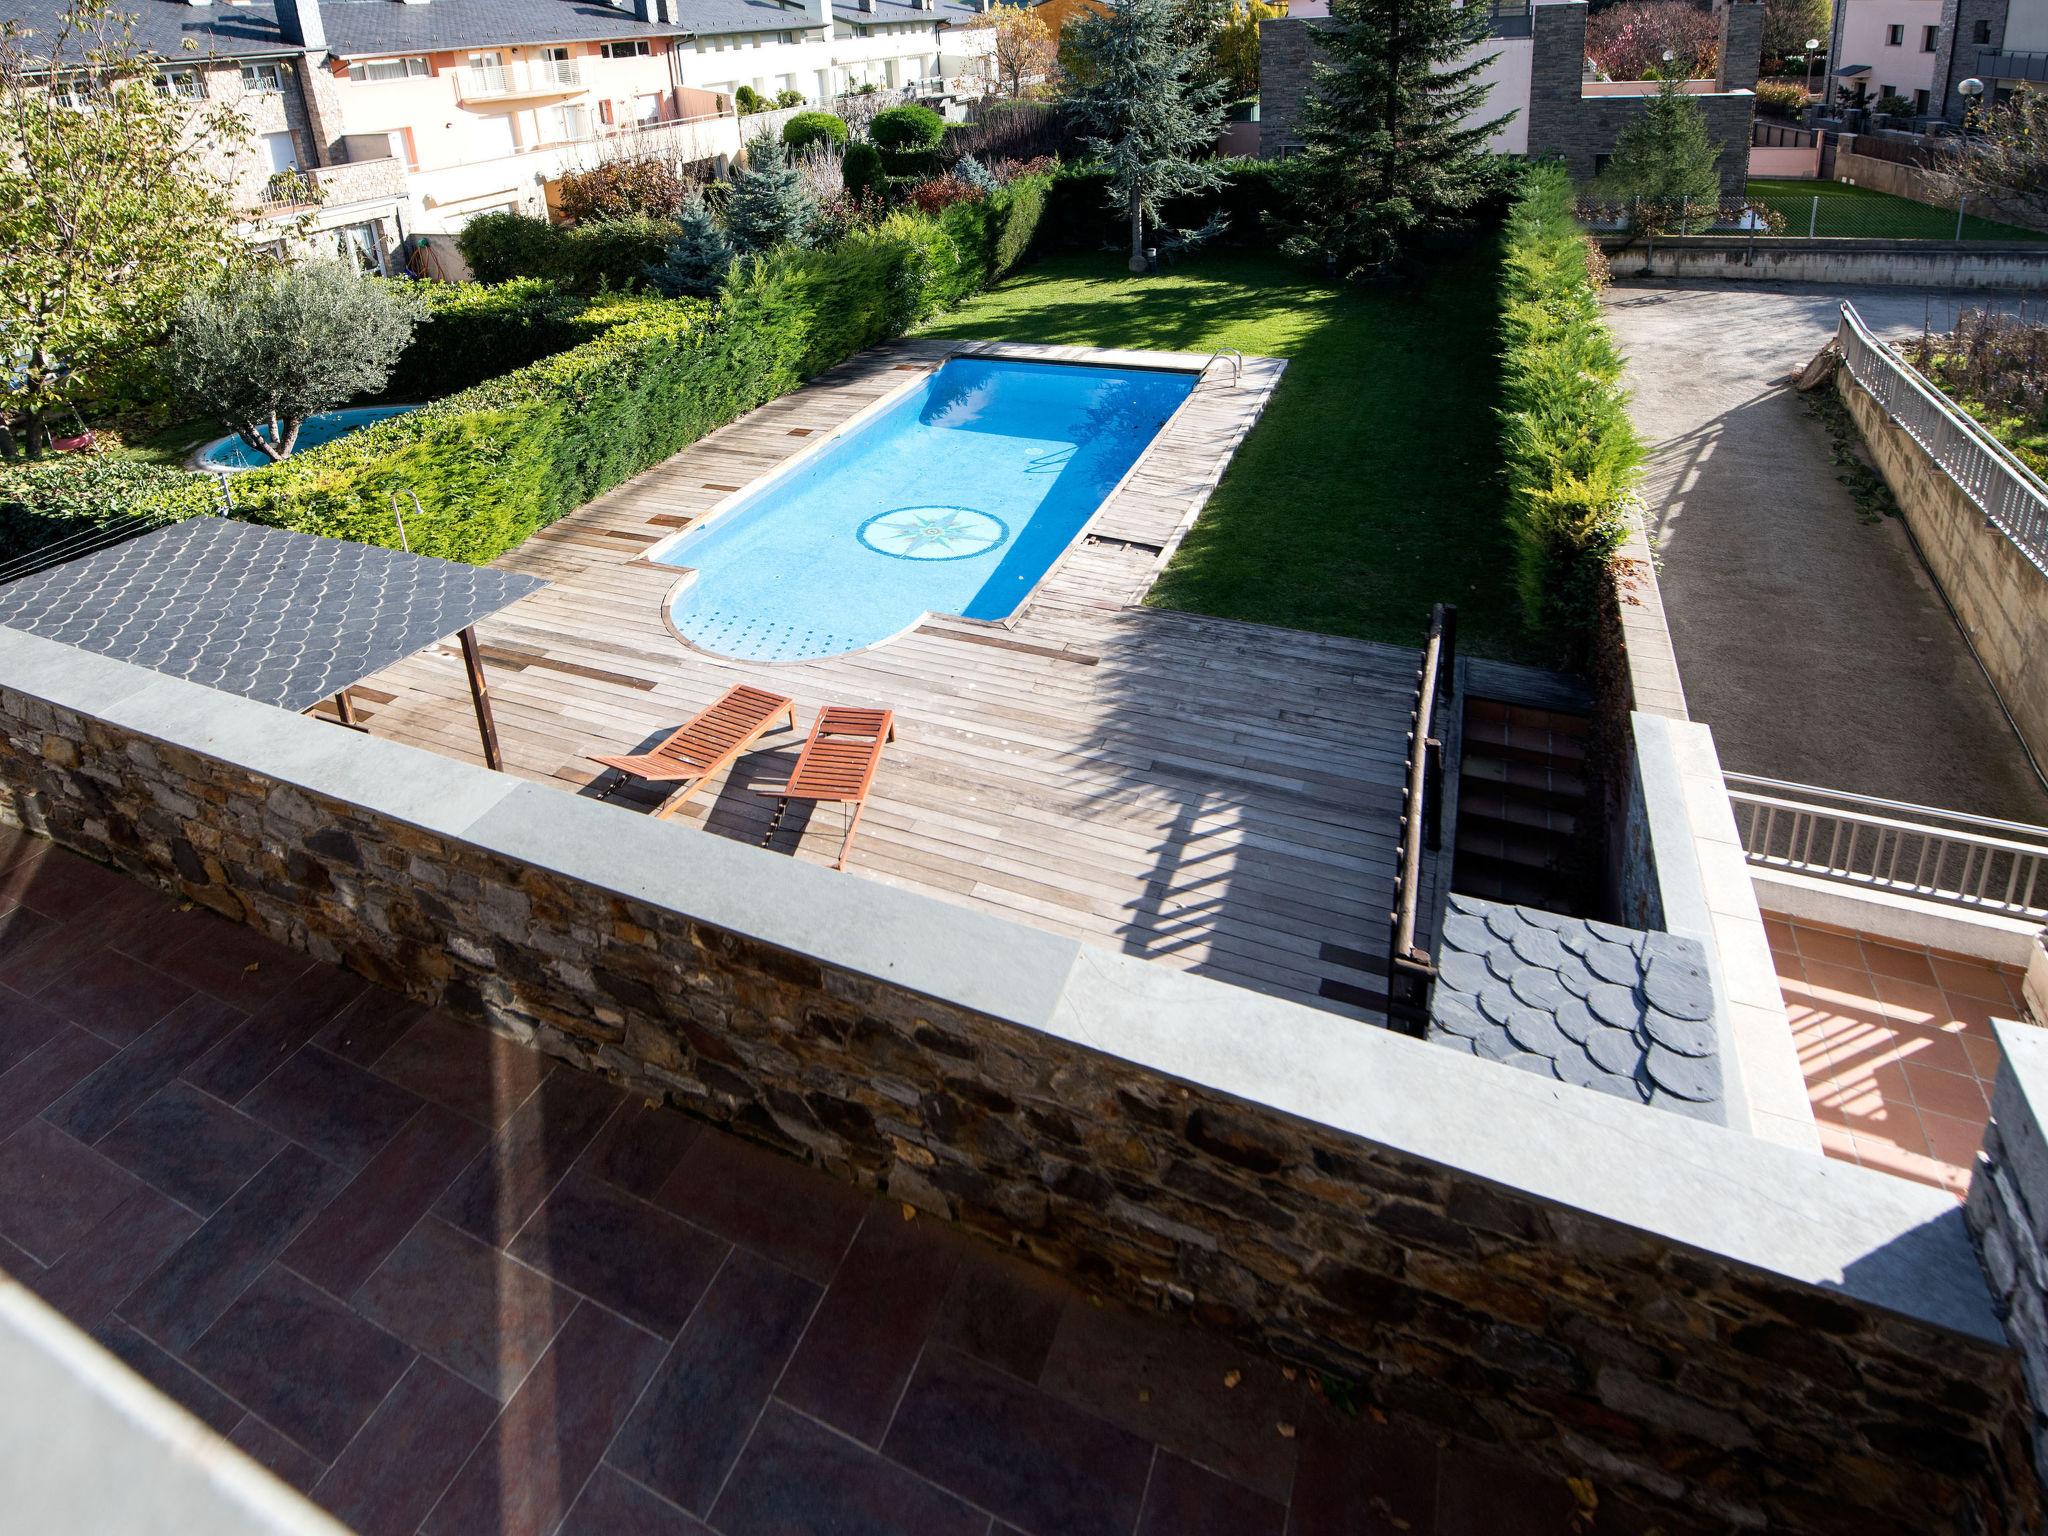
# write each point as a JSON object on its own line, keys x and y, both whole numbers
{"x": 1236, "y": 363}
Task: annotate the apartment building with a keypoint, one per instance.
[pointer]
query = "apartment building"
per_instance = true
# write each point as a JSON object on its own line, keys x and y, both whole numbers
{"x": 1879, "y": 48}
{"x": 375, "y": 122}
{"x": 2002, "y": 43}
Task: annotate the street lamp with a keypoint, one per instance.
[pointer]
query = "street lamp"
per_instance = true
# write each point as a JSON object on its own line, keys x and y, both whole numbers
{"x": 1668, "y": 57}
{"x": 1970, "y": 90}
{"x": 1812, "y": 43}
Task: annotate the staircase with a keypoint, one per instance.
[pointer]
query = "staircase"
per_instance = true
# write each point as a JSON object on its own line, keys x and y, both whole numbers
{"x": 1521, "y": 799}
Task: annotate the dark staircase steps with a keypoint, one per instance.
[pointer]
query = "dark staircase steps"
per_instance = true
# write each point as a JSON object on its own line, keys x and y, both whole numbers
{"x": 1521, "y": 801}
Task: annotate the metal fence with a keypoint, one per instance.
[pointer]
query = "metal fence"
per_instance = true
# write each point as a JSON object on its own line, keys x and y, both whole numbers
{"x": 1892, "y": 846}
{"x": 1832, "y": 213}
{"x": 2011, "y": 496}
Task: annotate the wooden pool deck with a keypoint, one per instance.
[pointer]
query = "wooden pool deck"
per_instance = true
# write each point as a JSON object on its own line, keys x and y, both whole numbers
{"x": 1209, "y": 794}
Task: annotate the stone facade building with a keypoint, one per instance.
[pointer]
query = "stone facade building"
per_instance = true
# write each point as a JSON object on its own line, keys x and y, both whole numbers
{"x": 1561, "y": 113}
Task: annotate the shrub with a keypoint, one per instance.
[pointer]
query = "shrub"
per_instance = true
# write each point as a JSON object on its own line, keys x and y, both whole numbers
{"x": 502, "y": 246}
{"x": 769, "y": 204}
{"x": 1249, "y": 193}
{"x": 971, "y": 172}
{"x": 620, "y": 189}
{"x": 808, "y": 128}
{"x": 1628, "y": 40}
{"x": 862, "y": 170}
{"x": 497, "y": 462}
{"x": 1572, "y": 456}
{"x": 907, "y": 127}
{"x": 474, "y": 332}
{"x": 747, "y": 99}
{"x": 697, "y": 259}
{"x": 44, "y": 500}
{"x": 789, "y": 98}
{"x": 613, "y": 253}
{"x": 940, "y": 192}
{"x": 1780, "y": 98}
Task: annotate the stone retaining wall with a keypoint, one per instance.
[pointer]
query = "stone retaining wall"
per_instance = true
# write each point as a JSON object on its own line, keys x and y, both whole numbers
{"x": 1978, "y": 264}
{"x": 1720, "y": 1333}
{"x": 2007, "y": 1211}
{"x": 2000, "y": 596}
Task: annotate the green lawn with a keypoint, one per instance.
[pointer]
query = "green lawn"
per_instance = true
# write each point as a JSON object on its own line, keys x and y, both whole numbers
{"x": 1859, "y": 212}
{"x": 1370, "y": 487}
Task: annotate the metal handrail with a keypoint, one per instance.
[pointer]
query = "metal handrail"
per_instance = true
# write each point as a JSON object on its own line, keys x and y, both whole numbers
{"x": 1410, "y": 971}
{"x": 1236, "y": 363}
{"x": 2012, "y": 497}
{"x": 1979, "y": 863}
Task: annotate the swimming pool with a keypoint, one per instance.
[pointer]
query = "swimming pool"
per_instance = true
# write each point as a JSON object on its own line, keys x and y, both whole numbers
{"x": 952, "y": 499}
{"x": 231, "y": 452}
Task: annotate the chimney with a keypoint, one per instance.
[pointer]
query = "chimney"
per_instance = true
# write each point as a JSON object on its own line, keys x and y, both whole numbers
{"x": 300, "y": 22}
{"x": 867, "y": 5}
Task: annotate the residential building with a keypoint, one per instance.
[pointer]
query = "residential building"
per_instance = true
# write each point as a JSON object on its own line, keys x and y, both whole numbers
{"x": 2003, "y": 43}
{"x": 1537, "y": 67}
{"x": 373, "y": 123}
{"x": 1878, "y": 48}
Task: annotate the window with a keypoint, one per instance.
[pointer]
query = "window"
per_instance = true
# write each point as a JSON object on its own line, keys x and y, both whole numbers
{"x": 1921, "y": 102}
{"x": 359, "y": 243}
{"x": 182, "y": 83}
{"x": 265, "y": 78}
{"x": 374, "y": 71}
{"x": 639, "y": 48}
{"x": 1980, "y": 33}
{"x": 1894, "y": 36}
{"x": 281, "y": 152}
{"x": 563, "y": 125}
{"x": 1930, "y": 38}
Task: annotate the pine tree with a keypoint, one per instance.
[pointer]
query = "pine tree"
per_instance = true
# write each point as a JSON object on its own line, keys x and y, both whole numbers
{"x": 1394, "y": 149}
{"x": 696, "y": 261}
{"x": 1147, "y": 106}
{"x": 771, "y": 204}
{"x": 1663, "y": 162}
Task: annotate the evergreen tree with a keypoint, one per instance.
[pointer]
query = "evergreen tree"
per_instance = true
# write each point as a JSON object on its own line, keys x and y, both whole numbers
{"x": 1663, "y": 162}
{"x": 696, "y": 261}
{"x": 1393, "y": 141}
{"x": 771, "y": 203}
{"x": 1147, "y": 106}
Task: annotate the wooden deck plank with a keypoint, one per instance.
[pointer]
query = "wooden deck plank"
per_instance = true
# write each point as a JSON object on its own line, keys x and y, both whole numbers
{"x": 1217, "y": 796}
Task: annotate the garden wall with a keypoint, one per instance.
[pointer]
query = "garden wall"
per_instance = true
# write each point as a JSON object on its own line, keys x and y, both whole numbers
{"x": 1718, "y": 1332}
{"x": 1994, "y": 264}
{"x": 2000, "y": 596}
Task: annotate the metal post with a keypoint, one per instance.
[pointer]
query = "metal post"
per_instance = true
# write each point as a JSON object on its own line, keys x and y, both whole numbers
{"x": 480, "y": 695}
{"x": 1813, "y": 217}
{"x": 1961, "y": 204}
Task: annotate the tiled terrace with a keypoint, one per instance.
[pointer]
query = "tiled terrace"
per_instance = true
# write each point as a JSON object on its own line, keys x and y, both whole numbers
{"x": 1896, "y": 1045}
{"x": 1213, "y": 795}
{"x": 443, "y": 1284}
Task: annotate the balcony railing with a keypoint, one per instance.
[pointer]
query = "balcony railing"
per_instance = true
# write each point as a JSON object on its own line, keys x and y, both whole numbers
{"x": 534, "y": 77}
{"x": 320, "y": 186}
{"x": 1892, "y": 846}
{"x": 2012, "y": 64}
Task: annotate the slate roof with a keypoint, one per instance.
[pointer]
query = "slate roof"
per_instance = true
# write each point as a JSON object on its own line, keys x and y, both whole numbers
{"x": 163, "y": 27}
{"x": 1614, "y": 1009}
{"x": 366, "y": 28}
{"x": 887, "y": 11}
{"x": 284, "y": 618}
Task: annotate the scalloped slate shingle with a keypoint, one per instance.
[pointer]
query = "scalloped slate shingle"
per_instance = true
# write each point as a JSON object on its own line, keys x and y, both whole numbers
{"x": 1625, "y": 1012}
{"x": 284, "y": 618}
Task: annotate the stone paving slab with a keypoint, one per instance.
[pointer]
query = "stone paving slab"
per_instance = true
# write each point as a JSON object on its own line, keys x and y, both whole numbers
{"x": 442, "y": 1284}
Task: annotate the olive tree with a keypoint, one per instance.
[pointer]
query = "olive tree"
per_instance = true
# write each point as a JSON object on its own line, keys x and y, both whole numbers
{"x": 267, "y": 347}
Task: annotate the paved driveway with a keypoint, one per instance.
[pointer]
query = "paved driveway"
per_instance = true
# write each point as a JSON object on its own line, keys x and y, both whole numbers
{"x": 1812, "y": 642}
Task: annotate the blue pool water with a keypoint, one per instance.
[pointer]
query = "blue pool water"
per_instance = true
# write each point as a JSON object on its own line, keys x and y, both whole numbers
{"x": 232, "y": 453}
{"x": 954, "y": 499}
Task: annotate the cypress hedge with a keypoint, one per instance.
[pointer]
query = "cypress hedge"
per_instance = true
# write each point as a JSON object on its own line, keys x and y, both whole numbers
{"x": 495, "y": 463}
{"x": 1573, "y": 458}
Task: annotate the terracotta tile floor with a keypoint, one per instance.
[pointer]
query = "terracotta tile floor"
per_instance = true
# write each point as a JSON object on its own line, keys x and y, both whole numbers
{"x": 1897, "y": 1047}
{"x": 445, "y": 1285}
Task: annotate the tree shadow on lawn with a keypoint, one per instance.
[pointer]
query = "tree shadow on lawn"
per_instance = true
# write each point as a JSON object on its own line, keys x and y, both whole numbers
{"x": 1370, "y": 487}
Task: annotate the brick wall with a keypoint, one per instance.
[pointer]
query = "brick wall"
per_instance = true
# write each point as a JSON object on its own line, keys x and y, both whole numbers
{"x": 1719, "y": 1333}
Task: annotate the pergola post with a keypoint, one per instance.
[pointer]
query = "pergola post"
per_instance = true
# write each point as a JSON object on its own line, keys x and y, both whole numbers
{"x": 480, "y": 695}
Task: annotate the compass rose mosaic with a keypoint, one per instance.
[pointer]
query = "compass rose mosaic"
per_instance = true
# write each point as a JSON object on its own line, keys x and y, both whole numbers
{"x": 933, "y": 533}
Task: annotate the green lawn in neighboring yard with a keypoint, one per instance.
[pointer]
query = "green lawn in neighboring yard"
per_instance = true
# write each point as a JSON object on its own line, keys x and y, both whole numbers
{"x": 1370, "y": 487}
{"x": 1860, "y": 212}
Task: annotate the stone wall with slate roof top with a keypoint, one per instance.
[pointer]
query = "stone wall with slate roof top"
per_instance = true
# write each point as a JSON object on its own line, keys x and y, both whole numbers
{"x": 1619, "y": 1010}
{"x": 1720, "y": 1333}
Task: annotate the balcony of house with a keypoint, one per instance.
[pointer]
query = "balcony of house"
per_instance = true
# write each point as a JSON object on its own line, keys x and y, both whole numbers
{"x": 520, "y": 80}
{"x": 2013, "y": 64}
{"x": 297, "y": 191}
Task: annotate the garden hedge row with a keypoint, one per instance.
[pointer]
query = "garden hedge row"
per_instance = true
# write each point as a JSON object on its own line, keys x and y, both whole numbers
{"x": 499, "y": 461}
{"x": 476, "y": 331}
{"x": 603, "y": 254}
{"x": 1251, "y": 191}
{"x": 1572, "y": 456}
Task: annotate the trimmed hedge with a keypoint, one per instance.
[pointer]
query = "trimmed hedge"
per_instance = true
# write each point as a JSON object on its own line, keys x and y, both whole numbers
{"x": 1250, "y": 191}
{"x": 1573, "y": 457}
{"x": 496, "y": 463}
{"x": 475, "y": 331}
{"x": 604, "y": 253}
{"x": 808, "y": 128}
{"x": 44, "y": 500}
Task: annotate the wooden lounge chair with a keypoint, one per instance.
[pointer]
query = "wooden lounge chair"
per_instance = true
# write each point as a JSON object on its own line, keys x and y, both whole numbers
{"x": 704, "y": 744}
{"x": 838, "y": 762}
